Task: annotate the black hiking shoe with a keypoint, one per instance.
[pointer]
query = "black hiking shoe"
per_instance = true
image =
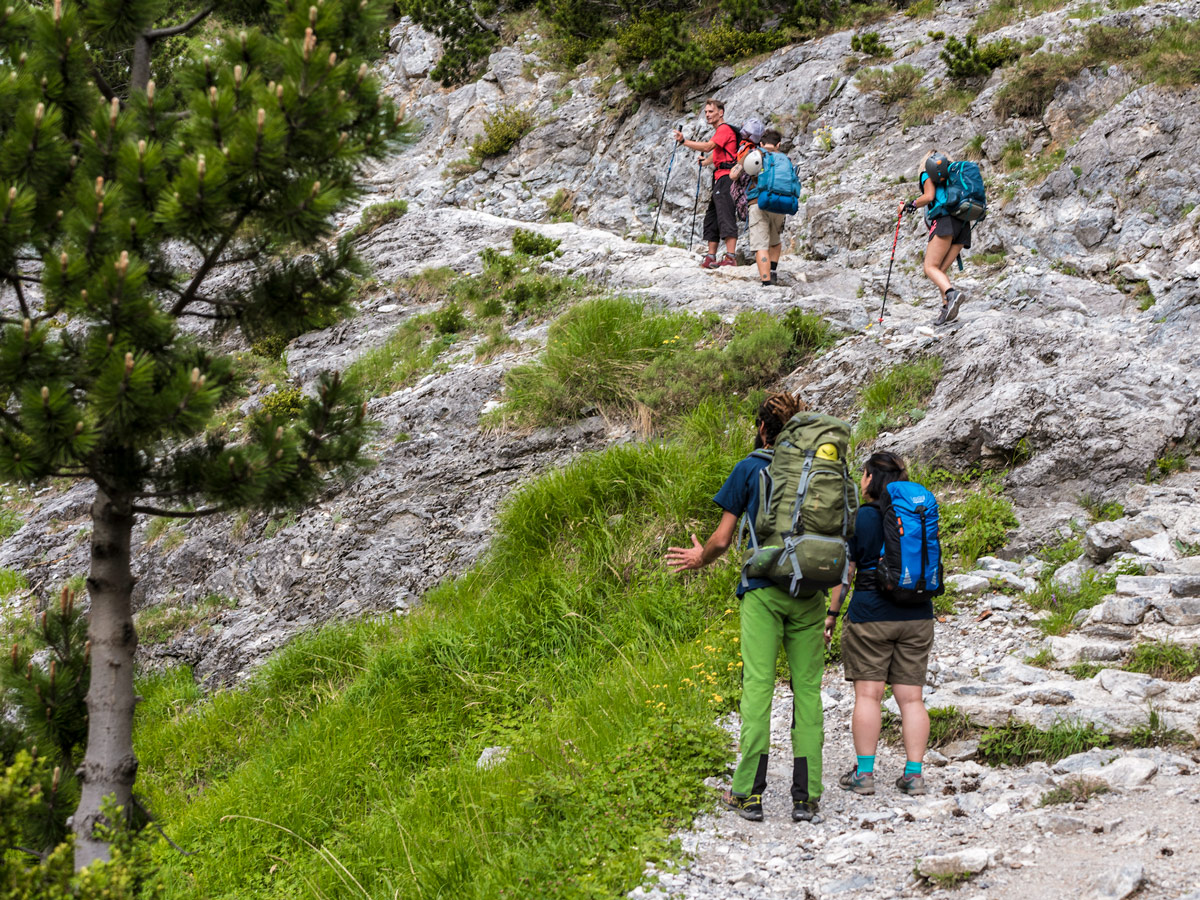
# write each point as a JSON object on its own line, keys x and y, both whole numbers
{"x": 774, "y": 276}
{"x": 954, "y": 299}
{"x": 747, "y": 807}
{"x": 806, "y": 811}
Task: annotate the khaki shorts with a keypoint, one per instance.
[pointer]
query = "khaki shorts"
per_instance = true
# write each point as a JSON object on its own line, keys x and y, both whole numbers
{"x": 893, "y": 652}
{"x": 765, "y": 228}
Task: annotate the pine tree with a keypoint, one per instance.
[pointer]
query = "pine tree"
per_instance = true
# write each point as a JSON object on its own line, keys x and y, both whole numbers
{"x": 125, "y": 213}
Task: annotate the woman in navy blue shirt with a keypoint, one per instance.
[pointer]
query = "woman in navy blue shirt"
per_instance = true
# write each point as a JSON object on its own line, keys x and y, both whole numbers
{"x": 882, "y": 643}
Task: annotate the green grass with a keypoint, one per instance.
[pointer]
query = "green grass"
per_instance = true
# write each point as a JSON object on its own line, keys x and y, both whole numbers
{"x": 1043, "y": 659}
{"x": 922, "y": 9}
{"x": 1019, "y": 743}
{"x": 948, "y": 724}
{"x": 1004, "y": 12}
{"x": 895, "y": 398}
{"x": 1155, "y": 733}
{"x": 1084, "y": 670}
{"x": 1173, "y": 55}
{"x": 602, "y": 672}
{"x": 408, "y": 353}
{"x": 11, "y": 581}
{"x": 1063, "y": 605}
{"x": 925, "y": 105}
{"x": 377, "y": 215}
{"x": 1101, "y": 511}
{"x": 989, "y": 259}
{"x": 1166, "y": 466}
{"x": 10, "y": 522}
{"x": 975, "y": 522}
{"x": 891, "y": 85}
{"x": 1164, "y": 659}
{"x": 614, "y": 355}
{"x": 158, "y": 624}
{"x": 561, "y": 207}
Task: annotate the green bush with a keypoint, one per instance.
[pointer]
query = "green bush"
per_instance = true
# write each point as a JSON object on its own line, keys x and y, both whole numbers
{"x": 727, "y": 43}
{"x": 892, "y": 85}
{"x": 664, "y": 42}
{"x": 870, "y": 44}
{"x": 533, "y": 244}
{"x": 965, "y": 60}
{"x": 283, "y": 405}
{"x": 810, "y": 332}
{"x": 269, "y": 347}
{"x": 501, "y": 131}
{"x": 378, "y": 215}
{"x": 449, "y": 319}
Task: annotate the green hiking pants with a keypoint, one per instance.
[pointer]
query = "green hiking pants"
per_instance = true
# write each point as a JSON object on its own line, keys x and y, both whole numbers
{"x": 769, "y": 616}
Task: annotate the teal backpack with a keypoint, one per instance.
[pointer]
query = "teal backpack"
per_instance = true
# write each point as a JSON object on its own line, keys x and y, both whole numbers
{"x": 778, "y": 187}
{"x": 807, "y": 503}
{"x": 962, "y": 195}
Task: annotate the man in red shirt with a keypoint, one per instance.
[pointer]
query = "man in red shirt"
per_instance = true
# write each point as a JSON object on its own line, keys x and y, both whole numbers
{"x": 720, "y": 219}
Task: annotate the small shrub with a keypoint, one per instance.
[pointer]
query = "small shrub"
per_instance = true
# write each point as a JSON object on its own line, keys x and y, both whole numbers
{"x": 966, "y": 61}
{"x": 533, "y": 244}
{"x": 502, "y": 130}
{"x": 973, "y": 149}
{"x": 1164, "y": 659}
{"x": 869, "y": 44}
{"x": 892, "y": 85}
{"x": 560, "y": 207}
{"x": 925, "y": 106}
{"x": 283, "y": 404}
{"x": 1014, "y": 154}
{"x": 810, "y": 332}
{"x": 727, "y": 43}
{"x": 1079, "y": 789}
{"x": 1155, "y": 733}
{"x": 977, "y": 524}
{"x": 1165, "y": 466}
{"x": 1043, "y": 659}
{"x": 269, "y": 347}
{"x": 1084, "y": 670}
{"x": 1099, "y": 511}
{"x": 663, "y": 41}
{"x": 378, "y": 215}
{"x": 1018, "y": 743}
{"x": 449, "y": 319}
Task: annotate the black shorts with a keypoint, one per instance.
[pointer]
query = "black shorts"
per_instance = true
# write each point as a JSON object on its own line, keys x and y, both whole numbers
{"x": 720, "y": 219}
{"x": 958, "y": 230}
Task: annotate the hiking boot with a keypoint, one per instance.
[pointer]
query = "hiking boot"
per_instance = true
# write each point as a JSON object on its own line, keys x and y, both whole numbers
{"x": 709, "y": 261}
{"x": 727, "y": 260}
{"x": 954, "y": 299}
{"x": 911, "y": 784}
{"x": 747, "y": 807}
{"x": 858, "y": 783}
{"x": 942, "y": 316}
{"x": 774, "y": 276}
{"x": 806, "y": 811}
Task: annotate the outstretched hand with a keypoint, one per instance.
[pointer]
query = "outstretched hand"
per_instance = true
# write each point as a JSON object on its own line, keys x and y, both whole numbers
{"x": 683, "y": 559}
{"x": 830, "y": 624}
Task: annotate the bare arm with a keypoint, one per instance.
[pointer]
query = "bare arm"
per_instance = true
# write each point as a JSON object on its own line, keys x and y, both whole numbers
{"x": 927, "y": 195}
{"x": 837, "y": 597}
{"x": 697, "y": 556}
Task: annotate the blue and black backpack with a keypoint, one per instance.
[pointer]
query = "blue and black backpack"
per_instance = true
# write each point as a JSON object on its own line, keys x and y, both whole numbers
{"x": 910, "y": 565}
{"x": 778, "y": 187}
{"x": 962, "y": 194}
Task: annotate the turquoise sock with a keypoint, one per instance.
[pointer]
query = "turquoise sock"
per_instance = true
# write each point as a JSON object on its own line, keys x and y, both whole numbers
{"x": 912, "y": 768}
{"x": 866, "y": 765}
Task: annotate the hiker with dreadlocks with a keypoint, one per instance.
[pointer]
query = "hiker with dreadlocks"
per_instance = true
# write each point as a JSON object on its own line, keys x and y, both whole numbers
{"x": 769, "y": 617}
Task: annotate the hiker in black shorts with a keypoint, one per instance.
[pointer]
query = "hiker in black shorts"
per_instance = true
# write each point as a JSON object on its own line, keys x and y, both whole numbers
{"x": 948, "y": 236}
{"x": 720, "y": 219}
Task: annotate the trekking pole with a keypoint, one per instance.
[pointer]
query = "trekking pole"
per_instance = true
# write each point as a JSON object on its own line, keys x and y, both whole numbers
{"x": 663, "y": 196}
{"x": 895, "y": 240}
{"x": 696, "y": 204}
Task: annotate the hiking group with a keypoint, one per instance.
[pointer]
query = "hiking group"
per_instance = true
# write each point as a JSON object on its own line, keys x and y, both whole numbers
{"x": 753, "y": 181}
{"x": 806, "y": 540}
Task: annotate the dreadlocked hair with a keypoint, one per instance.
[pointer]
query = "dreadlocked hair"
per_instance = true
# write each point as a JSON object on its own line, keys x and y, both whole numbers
{"x": 775, "y": 412}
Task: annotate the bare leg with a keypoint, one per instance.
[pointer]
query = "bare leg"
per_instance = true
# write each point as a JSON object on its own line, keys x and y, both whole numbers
{"x": 866, "y": 721}
{"x": 712, "y": 248}
{"x": 936, "y": 253}
{"x": 776, "y": 251}
{"x": 914, "y": 720}
{"x": 730, "y": 245}
{"x": 955, "y": 249}
{"x": 763, "y": 260}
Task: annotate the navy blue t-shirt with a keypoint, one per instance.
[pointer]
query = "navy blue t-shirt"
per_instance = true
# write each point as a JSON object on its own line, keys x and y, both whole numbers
{"x": 739, "y": 495}
{"x": 865, "y": 547}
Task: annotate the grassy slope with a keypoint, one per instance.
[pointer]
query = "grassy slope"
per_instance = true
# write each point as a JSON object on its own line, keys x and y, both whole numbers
{"x": 361, "y": 740}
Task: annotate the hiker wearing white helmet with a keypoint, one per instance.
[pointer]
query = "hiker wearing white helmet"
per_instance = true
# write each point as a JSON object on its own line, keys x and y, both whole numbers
{"x": 768, "y": 205}
{"x": 948, "y": 236}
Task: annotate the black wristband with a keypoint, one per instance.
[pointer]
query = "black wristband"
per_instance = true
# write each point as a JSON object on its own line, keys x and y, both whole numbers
{"x": 831, "y": 614}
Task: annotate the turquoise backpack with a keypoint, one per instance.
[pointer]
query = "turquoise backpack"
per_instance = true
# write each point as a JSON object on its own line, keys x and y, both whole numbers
{"x": 778, "y": 188}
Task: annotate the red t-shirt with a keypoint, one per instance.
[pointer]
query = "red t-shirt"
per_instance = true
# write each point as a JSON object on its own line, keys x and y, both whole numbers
{"x": 725, "y": 150}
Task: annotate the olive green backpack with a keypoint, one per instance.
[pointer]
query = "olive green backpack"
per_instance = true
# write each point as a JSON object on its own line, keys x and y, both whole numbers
{"x": 807, "y": 503}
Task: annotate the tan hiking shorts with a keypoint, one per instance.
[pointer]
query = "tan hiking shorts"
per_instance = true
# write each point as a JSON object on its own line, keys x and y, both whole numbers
{"x": 892, "y": 652}
{"x": 765, "y": 228}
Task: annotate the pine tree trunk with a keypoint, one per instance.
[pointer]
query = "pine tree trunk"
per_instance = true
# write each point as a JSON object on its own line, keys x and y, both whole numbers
{"x": 109, "y": 767}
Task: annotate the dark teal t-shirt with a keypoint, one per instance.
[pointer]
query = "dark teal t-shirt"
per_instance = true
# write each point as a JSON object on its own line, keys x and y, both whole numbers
{"x": 739, "y": 495}
{"x": 865, "y": 547}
